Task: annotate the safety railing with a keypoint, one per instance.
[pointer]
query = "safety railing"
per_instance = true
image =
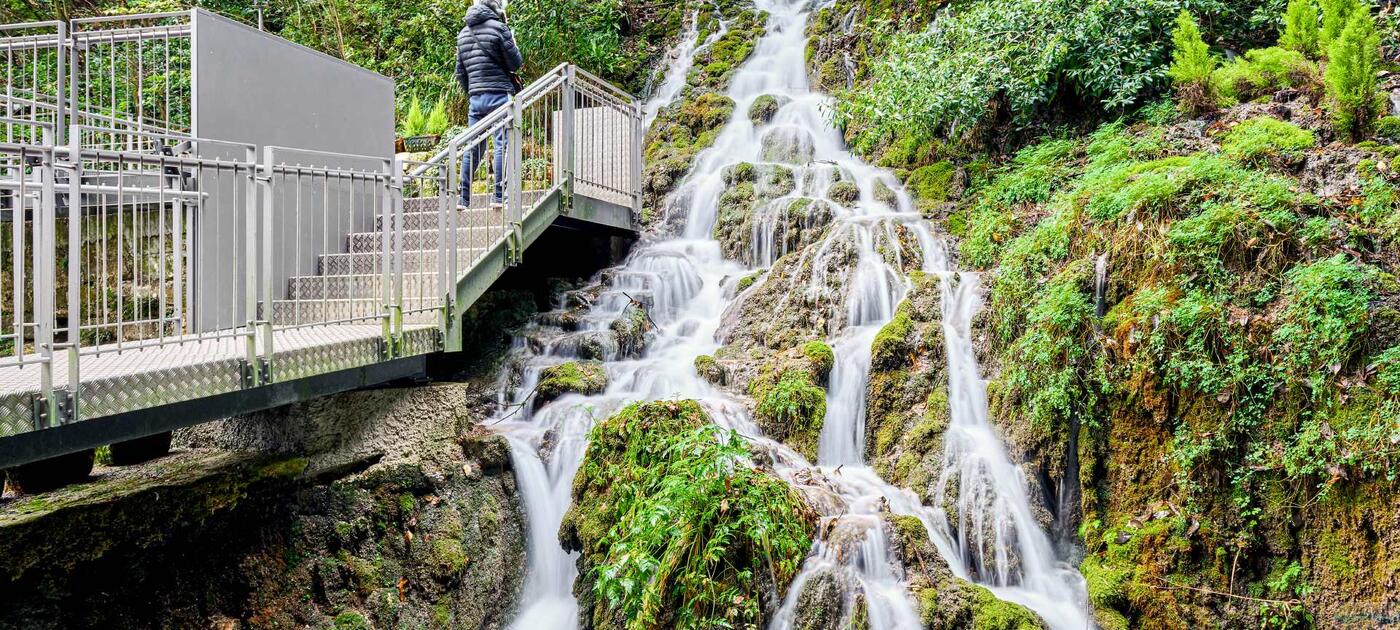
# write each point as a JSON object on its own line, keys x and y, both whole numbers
{"x": 134, "y": 250}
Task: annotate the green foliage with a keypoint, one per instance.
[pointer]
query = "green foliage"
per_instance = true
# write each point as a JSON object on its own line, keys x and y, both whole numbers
{"x": 821, "y": 356}
{"x": 1325, "y": 307}
{"x": 1020, "y": 55}
{"x": 930, "y": 184}
{"x": 1192, "y": 65}
{"x": 1266, "y": 139}
{"x": 437, "y": 122}
{"x": 1335, "y": 16}
{"x": 793, "y": 402}
{"x": 1300, "y": 28}
{"x": 1353, "y": 59}
{"x": 1262, "y": 72}
{"x": 587, "y": 32}
{"x": 414, "y": 120}
{"x": 576, "y": 377}
{"x": 678, "y": 522}
{"x": 1032, "y": 176}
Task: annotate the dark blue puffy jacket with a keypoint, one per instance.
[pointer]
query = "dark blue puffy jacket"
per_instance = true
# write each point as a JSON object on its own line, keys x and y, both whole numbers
{"x": 486, "y": 53}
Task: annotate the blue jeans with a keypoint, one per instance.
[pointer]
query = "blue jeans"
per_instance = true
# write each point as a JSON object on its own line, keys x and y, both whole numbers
{"x": 481, "y": 106}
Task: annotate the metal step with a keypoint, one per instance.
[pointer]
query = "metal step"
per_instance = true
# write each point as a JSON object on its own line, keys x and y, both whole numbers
{"x": 359, "y": 286}
{"x": 370, "y": 263}
{"x": 296, "y": 312}
{"x": 425, "y": 240}
{"x": 428, "y": 220}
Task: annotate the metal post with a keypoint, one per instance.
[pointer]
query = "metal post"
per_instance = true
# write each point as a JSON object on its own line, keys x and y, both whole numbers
{"x": 635, "y": 159}
{"x": 513, "y": 174}
{"x": 65, "y": 91}
{"x": 44, "y": 275}
{"x": 395, "y": 179}
{"x": 266, "y": 329}
{"x": 566, "y": 138}
{"x": 75, "y": 270}
{"x": 250, "y": 264}
{"x": 453, "y": 186}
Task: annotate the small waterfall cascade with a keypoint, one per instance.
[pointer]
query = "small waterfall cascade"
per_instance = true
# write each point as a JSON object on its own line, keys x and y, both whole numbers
{"x": 858, "y": 247}
{"x": 680, "y": 60}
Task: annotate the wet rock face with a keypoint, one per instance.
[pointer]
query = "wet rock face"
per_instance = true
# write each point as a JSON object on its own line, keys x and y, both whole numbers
{"x": 821, "y": 604}
{"x": 907, "y": 398}
{"x": 947, "y": 602}
{"x": 366, "y": 531}
{"x": 765, "y": 107}
{"x": 573, "y": 377}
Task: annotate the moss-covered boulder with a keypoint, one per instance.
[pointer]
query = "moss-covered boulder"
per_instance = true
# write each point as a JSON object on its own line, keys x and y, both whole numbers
{"x": 748, "y": 203}
{"x": 710, "y": 370}
{"x": 765, "y": 107}
{"x": 932, "y": 185}
{"x": 787, "y": 145}
{"x": 573, "y": 377}
{"x": 789, "y": 399}
{"x": 947, "y": 602}
{"x": 844, "y": 192}
{"x": 675, "y": 527}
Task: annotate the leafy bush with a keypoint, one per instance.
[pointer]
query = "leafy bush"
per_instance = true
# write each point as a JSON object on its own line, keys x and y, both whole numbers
{"x": 1353, "y": 59}
{"x": 680, "y": 527}
{"x": 1016, "y": 55}
{"x": 1192, "y": 65}
{"x": 1261, "y": 72}
{"x": 1264, "y": 139}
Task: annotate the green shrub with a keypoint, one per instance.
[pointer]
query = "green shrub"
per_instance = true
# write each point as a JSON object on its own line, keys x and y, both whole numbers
{"x": 680, "y": 526}
{"x": 1266, "y": 139}
{"x": 1335, "y": 16}
{"x": 1192, "y": 65}
{"x": 1300, "y": 28}
{"x": 1261, "y": 72}
{"x": 437, "y": 122}
{"x": 1011, "y": 56}
{"x": 1353, "y": 59}
{"x": 414, "y": 121}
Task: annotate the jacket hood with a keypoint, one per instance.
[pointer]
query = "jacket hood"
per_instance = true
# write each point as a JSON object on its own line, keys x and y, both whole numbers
{"x": 481, "y": 12}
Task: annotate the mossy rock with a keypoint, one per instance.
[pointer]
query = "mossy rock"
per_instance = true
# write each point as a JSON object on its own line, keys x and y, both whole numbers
{"x": 844, "y": 192}
{"x": 765, "y": 107}
{"x": 1266, "y": 140}
{"x": 823, "y": 358}
{"x": 932, "y": 184}
{"x": 885, "y": 194}
{"x": 790, "y": 405}
{"x": 892, "y": 346}
{"x": 710, "y": 370}
{"x": 574, "y": 377}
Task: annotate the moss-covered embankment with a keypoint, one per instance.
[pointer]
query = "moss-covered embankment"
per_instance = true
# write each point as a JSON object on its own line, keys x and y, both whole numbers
{"x": 1205, "y": 313}
{"x": 402, "y": 517}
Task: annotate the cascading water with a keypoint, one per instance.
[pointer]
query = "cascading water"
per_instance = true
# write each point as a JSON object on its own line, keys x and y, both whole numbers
{"x": 857, "y": 263}
{"x": 682, "y": 57}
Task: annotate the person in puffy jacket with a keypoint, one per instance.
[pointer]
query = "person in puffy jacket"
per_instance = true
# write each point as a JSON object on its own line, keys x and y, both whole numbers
{"x": 487, "y": 60}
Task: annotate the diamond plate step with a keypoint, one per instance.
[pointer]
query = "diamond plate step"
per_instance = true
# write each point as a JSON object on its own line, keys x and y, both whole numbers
{"x": 358, "y": 286}
{"x": 422, "y": 240}
{"x": 366, "y": 263}
{"x": 293, "y": 312}
{"x": 429, "y": 220}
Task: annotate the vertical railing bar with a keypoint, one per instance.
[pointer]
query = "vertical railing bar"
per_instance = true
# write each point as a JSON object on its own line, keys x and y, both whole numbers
{"x": 75, "y": 211}
{"x": 160, "y": 257}
{"x": 267, "y": 325}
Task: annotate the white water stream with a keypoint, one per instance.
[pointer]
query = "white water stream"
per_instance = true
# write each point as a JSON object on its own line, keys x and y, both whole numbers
{"x": 858, "y": 263}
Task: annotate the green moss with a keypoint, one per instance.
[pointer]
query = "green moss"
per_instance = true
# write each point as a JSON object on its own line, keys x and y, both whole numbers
{"x": 351, "y": 620}
{"x": 1388, "y": 127}
{"x": 749, "y": 280}
{"x": 821, "y": 356}
{"x": 1261, "y": 72}
{"x": 1106, "y": 582}
{"x": 990, "y": 613}
{"x": 448, "y": 555}
{"x": 283, "y": 469}
{"x": 709, "y": 369}
{"x": 892, "y": 345}
{"x": 791, "y": 407}
{"x": 931, "y": 184}
{"x": 1266, "y": 139}
{"x": 573, "y": 377}
{"x": 844, "y": 193}
{"x": 764, "y": 107}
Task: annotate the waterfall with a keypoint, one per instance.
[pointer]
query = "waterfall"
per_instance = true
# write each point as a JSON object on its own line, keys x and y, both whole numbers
{"x": 858, "y": 263}
{"x": 681, "y": 58}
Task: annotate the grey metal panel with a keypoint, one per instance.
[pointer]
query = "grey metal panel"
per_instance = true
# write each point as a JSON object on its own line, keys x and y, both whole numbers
{"x": 260, "y": 89}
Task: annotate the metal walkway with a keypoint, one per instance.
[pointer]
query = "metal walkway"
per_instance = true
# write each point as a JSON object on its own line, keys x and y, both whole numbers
{"x": 154, "y": 279}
